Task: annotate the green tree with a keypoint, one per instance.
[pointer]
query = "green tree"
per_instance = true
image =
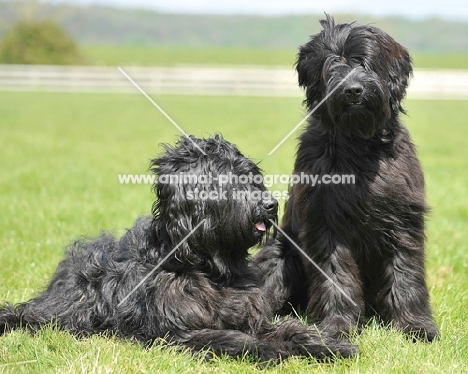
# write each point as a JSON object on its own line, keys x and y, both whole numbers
{"x": 39, "y": 42}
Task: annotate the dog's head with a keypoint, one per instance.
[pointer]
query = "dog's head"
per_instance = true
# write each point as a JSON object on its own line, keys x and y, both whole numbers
{"x": 376, "y": 68}
{"x": 221, "y": 190}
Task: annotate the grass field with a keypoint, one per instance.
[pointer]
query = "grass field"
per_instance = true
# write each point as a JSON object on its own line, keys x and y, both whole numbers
{"x": 61, "y": 154}
{"x": 159, "y": 55}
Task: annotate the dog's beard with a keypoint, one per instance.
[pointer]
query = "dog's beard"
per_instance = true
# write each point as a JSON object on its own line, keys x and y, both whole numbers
{"x": 264, "y": 229}
{"x": 358, "y": 121}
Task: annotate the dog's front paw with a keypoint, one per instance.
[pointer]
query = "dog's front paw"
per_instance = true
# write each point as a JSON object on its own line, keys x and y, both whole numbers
{"x": 322, "y": 346}
{"x": 266, "y": 354}
{"x": 425, "y": 332}
{"x": 338, "y": 327}
{"x": 342, "y": 347}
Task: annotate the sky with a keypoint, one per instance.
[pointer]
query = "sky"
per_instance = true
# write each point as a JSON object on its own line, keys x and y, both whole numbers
{"x": 452, "y": 9}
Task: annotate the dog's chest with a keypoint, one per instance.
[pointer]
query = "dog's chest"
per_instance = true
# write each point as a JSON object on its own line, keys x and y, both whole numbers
{"x": 344, "y": 187}
{"x": 364, "y": 212}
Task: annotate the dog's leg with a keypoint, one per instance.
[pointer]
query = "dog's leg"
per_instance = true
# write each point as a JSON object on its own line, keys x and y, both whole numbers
{"x": 33, "y": 314}
{"x": 230, "y": 342}
{"x": 282, "y": 274}
{"x": 403, "y": 300}
{"x": 74, "y": 299}
{"x": 10, "y": 318}
{"x": 45, "y": 309}
{"x": 335, "y": 293}
{"x": 294, "y": 338}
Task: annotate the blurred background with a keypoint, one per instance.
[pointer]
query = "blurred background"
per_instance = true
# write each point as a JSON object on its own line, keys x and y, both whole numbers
{"x": 167, "y": 32}
{"x": 230, "y": 35}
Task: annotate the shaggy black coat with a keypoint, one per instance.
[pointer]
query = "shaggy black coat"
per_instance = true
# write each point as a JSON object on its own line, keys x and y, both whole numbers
{"x": 203, "y": 295}
{"x": 368, "y": 237}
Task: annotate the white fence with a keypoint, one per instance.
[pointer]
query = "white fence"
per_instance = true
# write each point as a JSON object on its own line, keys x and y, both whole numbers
{"x": 204, "y": 80}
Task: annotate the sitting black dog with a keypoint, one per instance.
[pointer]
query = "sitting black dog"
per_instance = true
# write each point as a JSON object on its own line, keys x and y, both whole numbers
{"x": 363, "y": 241}
{"x": 183, "y": 273}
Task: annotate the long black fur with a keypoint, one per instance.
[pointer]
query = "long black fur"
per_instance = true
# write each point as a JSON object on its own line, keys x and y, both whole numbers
{"x": 367, "y": 237}
{"x": 205, "y": 295}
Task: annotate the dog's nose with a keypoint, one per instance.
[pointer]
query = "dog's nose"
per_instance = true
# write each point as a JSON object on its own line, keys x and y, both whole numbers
{"x": 354, "y": 90}
{"x": 270, "y": 205}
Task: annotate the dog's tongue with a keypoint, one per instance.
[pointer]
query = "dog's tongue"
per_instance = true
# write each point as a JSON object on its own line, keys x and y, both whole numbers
{"x": 260, "y": 226}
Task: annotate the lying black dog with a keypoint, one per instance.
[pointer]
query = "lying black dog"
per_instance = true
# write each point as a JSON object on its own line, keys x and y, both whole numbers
{"x": 368, "y": 237}
{"x": 182, "y": 274}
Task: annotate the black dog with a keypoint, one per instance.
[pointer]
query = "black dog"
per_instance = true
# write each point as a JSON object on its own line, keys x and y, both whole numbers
{"x": 182, "y": 274}
{"x": 367, "y": 237}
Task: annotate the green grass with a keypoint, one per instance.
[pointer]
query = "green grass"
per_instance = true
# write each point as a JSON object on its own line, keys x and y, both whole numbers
{"x": 61, "y": 154}
{"x": 162, "y": 55}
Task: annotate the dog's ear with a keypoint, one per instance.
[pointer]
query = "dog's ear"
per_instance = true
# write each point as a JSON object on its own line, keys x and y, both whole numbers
{"x": 168, "y": 185}
{"x": 309, "y": 71}
{"x": 400, "y": 70}
{"x": 310, "y": 60}
{"x": 306, "y": 66}
{"x": 173, "y": 207}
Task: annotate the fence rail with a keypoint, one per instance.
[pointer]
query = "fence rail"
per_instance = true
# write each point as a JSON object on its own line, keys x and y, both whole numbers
{"x": 204, "y": 80}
